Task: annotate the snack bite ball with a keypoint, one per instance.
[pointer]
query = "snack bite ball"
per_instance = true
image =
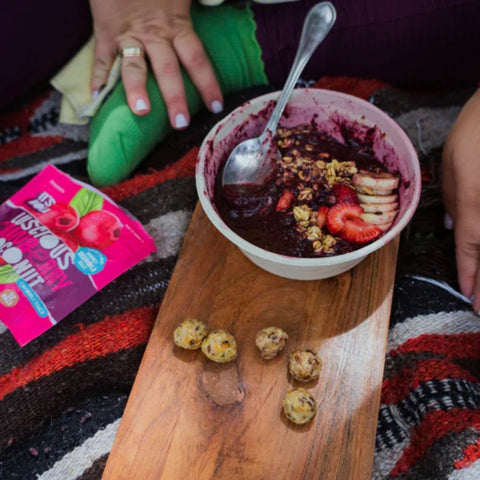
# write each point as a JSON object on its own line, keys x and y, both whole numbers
{"x": 190, "y": 334}
{"x": 270, "y": 341}
{"x": 220, "y": 346}
{"x": 304, "y": 365}
{"x": 299, "y": 406}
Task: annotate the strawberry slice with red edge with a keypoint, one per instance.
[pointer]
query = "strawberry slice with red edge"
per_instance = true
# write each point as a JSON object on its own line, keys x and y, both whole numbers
{"x": 321, "y": 218}
{"x": 343, "y": 219}
{"x": 284, "y": 201}
{"x": 357, "y": 231}
{"x": 345, "y": 194}
{"x": 339, "y": 214}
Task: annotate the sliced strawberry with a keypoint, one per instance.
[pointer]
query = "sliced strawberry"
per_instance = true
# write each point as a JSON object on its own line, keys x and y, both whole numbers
{"x": 344, "y": 220}
{"x": 284, "y": 201}
{"x": 357, "y": 231}
{"x": 322, "y": 216}
{"x": 339, "y": 214}
{"x": 2, "y": 262}
{"x": 345, "y": 194}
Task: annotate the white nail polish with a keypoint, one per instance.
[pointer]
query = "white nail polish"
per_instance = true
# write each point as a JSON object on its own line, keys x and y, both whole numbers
{"x": 180, "y": 120}
{"x": 448, "y": 222}
{"x": 141, "y": 106}
{"x": 216, "y": 106}
{"x": 95, "y": 94}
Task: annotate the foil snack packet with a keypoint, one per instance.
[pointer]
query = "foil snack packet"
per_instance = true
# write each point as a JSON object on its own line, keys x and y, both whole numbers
{"x": 61, "y": 241}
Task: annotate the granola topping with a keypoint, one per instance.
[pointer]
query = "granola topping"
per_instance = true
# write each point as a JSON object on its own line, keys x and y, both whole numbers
{"x": 288, "y": 210}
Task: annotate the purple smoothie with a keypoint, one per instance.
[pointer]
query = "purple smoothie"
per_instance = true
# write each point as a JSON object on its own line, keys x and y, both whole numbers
{"x": 252, "y": 210}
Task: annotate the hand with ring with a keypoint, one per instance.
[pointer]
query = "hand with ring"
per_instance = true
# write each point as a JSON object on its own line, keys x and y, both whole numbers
{"x": 162, "y": 31}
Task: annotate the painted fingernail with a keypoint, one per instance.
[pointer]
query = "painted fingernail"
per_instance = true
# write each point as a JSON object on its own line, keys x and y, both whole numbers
{"x": 448, "y": 222}
{"x": 141, "y": 106}
{"x": 96, "y": 93}
{"x": 180, "y": 120}
{"x": 216, "y": 106}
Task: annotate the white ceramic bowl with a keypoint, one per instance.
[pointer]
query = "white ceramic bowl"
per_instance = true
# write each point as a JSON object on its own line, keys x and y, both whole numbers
{"x": 330, "y": 110}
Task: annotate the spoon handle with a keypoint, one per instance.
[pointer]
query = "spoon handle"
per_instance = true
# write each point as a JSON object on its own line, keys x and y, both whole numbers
{"x": 318, "y": 23}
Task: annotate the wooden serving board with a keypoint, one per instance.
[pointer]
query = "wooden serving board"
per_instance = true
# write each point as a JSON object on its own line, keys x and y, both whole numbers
{"x": 190, "y": 418}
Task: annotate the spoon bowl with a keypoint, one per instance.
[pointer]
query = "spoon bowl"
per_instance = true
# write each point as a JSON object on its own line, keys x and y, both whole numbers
{"x": 253, "y": 161}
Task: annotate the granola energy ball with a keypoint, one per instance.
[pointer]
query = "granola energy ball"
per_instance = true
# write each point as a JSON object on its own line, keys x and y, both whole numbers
{"x": 270, "y": 341}
{"x": 190, "y": 334}
{"x": 299, "y": 406}
{"x": 220, "y": 346}
{"x": 304, "y": 365}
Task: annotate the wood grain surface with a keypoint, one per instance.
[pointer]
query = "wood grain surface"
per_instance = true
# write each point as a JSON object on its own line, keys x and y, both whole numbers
{"x": 190, "y": 418}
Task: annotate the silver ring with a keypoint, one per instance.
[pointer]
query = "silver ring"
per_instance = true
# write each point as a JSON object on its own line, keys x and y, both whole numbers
{"x": 132, "y": 52}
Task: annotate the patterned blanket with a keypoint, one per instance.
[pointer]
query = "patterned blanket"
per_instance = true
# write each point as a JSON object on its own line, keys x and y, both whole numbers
{"x": 62, "y": 396}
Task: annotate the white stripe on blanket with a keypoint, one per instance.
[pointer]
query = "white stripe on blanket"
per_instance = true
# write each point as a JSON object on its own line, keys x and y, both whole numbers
{"x": 470, "y": 473}
{"x": 62, "y": 160}
{"x": 443, "y": 323}
{"x": 427, "y": 127}
{"x": 385, "y": 460}
{"x": 74, "y": 463}
{"x": 168, "y": 232}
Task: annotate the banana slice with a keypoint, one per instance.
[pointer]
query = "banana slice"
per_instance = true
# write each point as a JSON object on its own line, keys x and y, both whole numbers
{"x": 379, "y": 207}
{"x": 381, "y": 181}
{"x": 364, "y": 198}
{"x": 385, "y": 226}
{"x": 373, "y": 190}
{"x": 379, "y": 218}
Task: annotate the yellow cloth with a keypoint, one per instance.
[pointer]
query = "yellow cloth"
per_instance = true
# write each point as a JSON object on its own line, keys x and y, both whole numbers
{"x": 73, "y": 82}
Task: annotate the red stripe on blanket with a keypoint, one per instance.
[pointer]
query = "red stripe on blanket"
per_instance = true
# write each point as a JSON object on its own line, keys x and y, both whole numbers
{"x": 462, "y": 345}
{"x": 25, "y": 145}
{"x": 110, "y": 335}
{"x": 21, "y": 117}
{"x": 363, "y": 88}
{"x": 185, "y": 167}
{"x": 471, "y": 455}
{"x": 434, "y": 426}
{"x": 399, "y": 386}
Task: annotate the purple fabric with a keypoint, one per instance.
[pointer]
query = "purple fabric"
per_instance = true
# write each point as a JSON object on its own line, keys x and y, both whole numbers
{"x": 408, "y": 42}
{"x": 38, "y": 38}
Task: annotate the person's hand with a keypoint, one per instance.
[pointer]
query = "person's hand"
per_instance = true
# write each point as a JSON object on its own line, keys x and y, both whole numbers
{"x": 461, "y": 195}
{"x": 164, "y": 30}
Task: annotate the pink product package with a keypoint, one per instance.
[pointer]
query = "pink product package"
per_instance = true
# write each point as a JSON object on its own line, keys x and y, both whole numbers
{"x": 60, "y": 242}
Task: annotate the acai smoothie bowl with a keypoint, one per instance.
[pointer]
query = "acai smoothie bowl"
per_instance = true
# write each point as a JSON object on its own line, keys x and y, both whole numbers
{"x": 347, "y": 181}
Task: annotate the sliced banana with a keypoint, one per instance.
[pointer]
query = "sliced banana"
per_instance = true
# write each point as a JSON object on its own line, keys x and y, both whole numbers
{"x": 385, "y": 226}
{"x": 364, "y": 198}
{"x": 377, "y": 180}
{"x": 379, "y": 218}
{"x": 379, "y": 207}
{"x": 374, "y": 190}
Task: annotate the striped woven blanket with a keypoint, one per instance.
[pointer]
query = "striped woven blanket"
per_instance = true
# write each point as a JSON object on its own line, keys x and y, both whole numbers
{"x": 62, "y": 395}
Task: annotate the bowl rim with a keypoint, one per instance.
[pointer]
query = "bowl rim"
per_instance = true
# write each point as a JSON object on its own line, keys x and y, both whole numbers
{"x": 279, "y": 258}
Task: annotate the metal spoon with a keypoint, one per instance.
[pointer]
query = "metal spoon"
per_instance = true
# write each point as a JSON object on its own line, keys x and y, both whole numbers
{"x": 253, "y": 160}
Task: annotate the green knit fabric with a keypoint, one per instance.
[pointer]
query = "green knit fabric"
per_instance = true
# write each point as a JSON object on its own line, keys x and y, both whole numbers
{"x": 120, "y": 140}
